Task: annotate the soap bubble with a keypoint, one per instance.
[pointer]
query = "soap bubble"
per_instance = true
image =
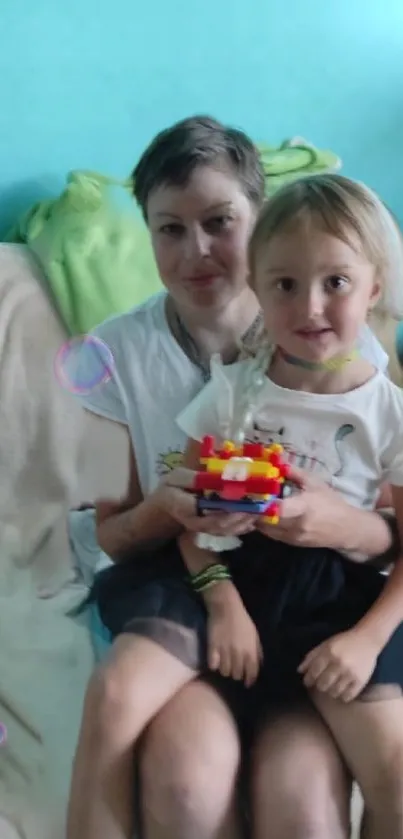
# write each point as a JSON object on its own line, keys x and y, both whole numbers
{"x": 3, "y": 734}
{"x": 83, "y": 363}
{"x": 399, "y": 343}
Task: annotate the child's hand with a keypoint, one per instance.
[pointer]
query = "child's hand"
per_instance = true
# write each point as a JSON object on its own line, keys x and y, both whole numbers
{"x": 233, "y": 642}
{"x": 342, "y": 665}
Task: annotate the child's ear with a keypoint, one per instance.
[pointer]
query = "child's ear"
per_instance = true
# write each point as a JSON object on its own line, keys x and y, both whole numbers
{"x": 376, "y": 294}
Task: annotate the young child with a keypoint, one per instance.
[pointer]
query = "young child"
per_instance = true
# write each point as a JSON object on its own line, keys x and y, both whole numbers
{"x": 325, "y": 252}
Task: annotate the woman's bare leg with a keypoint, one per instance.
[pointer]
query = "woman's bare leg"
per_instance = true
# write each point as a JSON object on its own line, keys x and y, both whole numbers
{"x": 300, "y": 788}
{"x": 189, "y": 761}
{"x": 122, "y": 697}
{"x": 370, "y": 736}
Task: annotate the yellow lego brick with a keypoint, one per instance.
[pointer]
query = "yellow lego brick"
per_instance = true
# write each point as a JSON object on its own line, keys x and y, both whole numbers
{"x": 260, "y": 469}
{"x": 215, "y": 465}
{"x": 275, "y": 448}
{"x": 271, "y": 519}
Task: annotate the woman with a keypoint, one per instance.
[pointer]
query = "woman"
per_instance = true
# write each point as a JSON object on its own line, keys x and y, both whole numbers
{"x": 200, "y": 186}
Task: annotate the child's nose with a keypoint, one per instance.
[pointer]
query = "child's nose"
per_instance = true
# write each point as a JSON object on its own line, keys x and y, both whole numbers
{"x": 313, "y": 303}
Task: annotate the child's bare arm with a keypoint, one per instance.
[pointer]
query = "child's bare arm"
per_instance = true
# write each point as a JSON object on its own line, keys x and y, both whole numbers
{"x": 385, "y": 499}
{"x": 387, "y": 612}
{"x": 233, "y": 642}
{"x": 343, "y": 665}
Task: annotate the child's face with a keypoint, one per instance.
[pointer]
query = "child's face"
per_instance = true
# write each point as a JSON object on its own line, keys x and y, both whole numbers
{"x": 315, "y": 291}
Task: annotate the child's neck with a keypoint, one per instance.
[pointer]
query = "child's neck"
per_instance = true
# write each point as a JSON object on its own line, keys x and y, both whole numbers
{"x": 350, "y": 376}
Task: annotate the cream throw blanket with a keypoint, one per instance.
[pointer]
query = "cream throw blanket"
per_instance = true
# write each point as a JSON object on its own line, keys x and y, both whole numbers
{"x": 45, "y": 658}
{"x": 50, "y": 459}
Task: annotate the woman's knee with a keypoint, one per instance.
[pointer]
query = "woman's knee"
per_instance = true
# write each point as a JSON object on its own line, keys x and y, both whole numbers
{"x": 131, "y": 687}
{"x": 189, "y": 757}
{"x": 110, "y": 694}
{"x": 382, "y": 779}
{"x": 370, "y": 735}
{"x": 104, "y": 701}
{"x": 299, "y": 782}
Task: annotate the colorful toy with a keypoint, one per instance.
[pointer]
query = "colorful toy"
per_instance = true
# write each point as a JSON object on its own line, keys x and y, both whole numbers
{"x": 245, "y": 478}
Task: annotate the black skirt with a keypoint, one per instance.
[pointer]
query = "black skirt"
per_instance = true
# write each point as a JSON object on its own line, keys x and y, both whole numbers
{"x": 297, "y": 597}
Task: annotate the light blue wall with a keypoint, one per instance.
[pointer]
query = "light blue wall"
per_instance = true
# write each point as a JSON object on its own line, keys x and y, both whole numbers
{"x": 86, "y": 83}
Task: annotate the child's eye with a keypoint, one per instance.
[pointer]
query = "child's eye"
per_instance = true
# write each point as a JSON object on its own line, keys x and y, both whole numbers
{"x": 337, "y": 283}
{"x": 286, "y": 284}
{"x": 218, "y": 223}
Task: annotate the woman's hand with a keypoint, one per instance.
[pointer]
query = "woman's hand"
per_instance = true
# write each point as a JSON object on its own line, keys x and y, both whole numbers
{"x": 342, "y": 665}
{"x": 316, "y": 516}
{"x": 173, "y": 498}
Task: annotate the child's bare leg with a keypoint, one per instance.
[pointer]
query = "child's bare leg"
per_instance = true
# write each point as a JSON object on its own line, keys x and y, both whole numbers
{"x": 122, "y": 697}
{"x": 370, "y": 737}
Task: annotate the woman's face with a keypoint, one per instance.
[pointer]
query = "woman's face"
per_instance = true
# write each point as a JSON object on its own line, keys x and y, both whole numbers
{"x": 200, "y": 235}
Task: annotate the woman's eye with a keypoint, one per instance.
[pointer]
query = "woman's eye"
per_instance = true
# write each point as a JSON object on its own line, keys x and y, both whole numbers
{"x": 172, "y": 229}
{"x": 218, "y": 223}
{"x": 337, "y": 283}
{"x": 286, "y": 284}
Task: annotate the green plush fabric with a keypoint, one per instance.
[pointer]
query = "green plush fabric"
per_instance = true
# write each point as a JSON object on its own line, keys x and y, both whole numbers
{"x": 295, "y": 158}
{"x": 94, "y": 248}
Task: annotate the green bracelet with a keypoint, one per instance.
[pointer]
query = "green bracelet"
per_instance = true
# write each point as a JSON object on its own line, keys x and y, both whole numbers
{"x": 209, "y": 577}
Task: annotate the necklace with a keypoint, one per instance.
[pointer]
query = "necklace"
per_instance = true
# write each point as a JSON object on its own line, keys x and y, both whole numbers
{"x": 190, "y": 347}
{"x": 255, "y": 375}
{"x": 332, "y": 365}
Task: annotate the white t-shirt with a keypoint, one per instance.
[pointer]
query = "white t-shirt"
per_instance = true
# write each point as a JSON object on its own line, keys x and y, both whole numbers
{"x": 353, "y": 441}
{"x": 153, "y": 381}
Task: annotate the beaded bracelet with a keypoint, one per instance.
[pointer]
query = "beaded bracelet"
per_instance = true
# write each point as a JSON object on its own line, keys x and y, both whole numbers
{"x": 209, "y": 577}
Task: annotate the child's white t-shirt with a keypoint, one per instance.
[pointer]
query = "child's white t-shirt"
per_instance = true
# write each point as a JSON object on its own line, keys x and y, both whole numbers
{"x": 153, "y": 381}
{"x": 353, "y": 441}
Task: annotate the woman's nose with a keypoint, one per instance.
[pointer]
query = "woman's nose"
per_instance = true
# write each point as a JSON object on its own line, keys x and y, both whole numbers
{"x": 198, "y": 243}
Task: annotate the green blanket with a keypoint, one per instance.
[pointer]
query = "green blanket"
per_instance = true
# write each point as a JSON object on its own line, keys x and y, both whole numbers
{"x": 94, "y": 247}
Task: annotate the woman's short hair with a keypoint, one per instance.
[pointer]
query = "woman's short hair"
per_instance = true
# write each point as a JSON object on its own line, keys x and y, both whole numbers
{"x": 198, "y": 141}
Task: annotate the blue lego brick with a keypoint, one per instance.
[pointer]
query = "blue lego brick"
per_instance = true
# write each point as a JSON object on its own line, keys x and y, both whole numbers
{"x": 241, "y": 506}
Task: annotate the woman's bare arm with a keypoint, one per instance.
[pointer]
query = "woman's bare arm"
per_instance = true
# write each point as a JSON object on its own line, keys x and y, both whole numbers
{"x": 133, "y": 523}
{"x": 138, "y": 523}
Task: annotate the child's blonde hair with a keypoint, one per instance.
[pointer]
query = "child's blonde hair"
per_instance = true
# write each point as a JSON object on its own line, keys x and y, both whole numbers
{"x": 345, "y": 209}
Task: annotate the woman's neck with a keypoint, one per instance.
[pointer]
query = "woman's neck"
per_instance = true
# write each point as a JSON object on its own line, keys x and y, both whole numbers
{"x": 219, "y": 330}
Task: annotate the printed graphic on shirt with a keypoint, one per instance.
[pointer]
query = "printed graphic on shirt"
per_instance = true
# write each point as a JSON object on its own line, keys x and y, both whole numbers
{"x": 167, "y": 461}
{"x": 326, "y": 457}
